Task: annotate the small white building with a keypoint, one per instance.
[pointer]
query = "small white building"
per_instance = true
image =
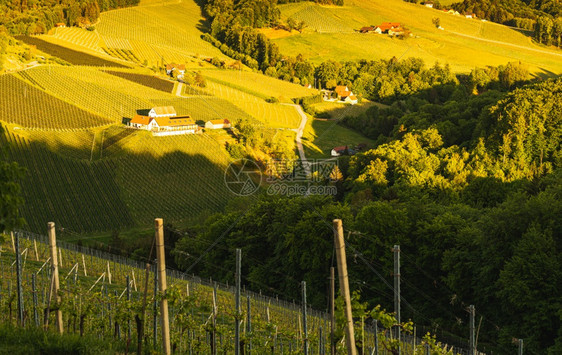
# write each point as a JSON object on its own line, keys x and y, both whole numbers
{"x": 162, "y": 111}
{"x": 162, "y": 121}
{"x": 337, "y": 151}
{"x": 218, "y": 124}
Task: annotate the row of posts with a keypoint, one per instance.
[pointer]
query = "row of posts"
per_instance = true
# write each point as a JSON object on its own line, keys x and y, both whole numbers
{"x": 161, "y": 285}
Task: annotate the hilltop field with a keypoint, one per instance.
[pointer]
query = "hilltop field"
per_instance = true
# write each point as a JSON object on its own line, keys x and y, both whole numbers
{"x": 463, "y": 43}
{"x": 64, "y": 117}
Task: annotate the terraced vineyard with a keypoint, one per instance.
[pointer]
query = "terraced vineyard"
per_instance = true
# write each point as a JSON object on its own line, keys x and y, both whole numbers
{"x": 111, "y": 96}
{"x": 80, "y": 195}
{"x": 175, "y": 177}
{"x": 273, "y": 115}
{"x": 323, "y": 19}
{"x": 166, "y": 32}
{"x": 69, "y": 55}
{"x": 260, "y": 85}
{"x": 28, "y": 106}
{"x": 79, "y": 36}
{"x": 117, "y": 178}
{"x": 146, "y": 80}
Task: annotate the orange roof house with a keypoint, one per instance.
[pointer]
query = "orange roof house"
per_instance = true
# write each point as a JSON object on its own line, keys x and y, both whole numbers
{"x": 165, "y": 125}
{"x": 385, "y": 26}
{"x": 366, "y": 29}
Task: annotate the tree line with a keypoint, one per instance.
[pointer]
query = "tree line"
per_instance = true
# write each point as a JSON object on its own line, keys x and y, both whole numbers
{"x": 525, "y": 14}
{"x": 37, "y": 17}
{"x": 477, "y": 215}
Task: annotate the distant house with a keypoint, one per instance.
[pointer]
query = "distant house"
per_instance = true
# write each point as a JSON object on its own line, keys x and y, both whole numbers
{"x": 345, "y": 95}
{"x": 337, "y": 151}
{"x": 429, "y": 4}
{"x": 218, "y": 124}
{"x": 60, "y": 24}
{"x": 367, "y": 29}
{"x": 161, "y": 122}
{"x": 385, "y": 26}
{"x": 351, "y": 99}
{"x": 396, "y": 31}
{"x": 180, "y": 68}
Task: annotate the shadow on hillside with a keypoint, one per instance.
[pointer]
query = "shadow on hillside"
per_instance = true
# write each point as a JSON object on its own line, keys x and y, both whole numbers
{"x": 119, "y": 193}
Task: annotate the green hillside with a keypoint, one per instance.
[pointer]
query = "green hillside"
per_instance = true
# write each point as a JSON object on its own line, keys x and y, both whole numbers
{"x": 464, "y": 43}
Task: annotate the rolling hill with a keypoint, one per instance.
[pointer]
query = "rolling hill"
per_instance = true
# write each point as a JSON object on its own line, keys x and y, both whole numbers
{"x": 464, "y": 43}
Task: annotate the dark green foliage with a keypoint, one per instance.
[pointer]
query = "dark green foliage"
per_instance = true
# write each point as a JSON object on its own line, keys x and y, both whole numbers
{"x": 10, "y": 191}
{"x": 15, "y": 341}
{"x": 37, "y": 17}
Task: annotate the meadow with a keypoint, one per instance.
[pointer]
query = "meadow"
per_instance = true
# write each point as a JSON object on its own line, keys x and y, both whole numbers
{"x": 320, "y": 136}
{"x": 450, "y": 45}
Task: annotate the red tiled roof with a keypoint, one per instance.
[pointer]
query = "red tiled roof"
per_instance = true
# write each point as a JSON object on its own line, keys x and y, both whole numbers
{"x": 143, "y": 120}
{"x": 340, "y": 148}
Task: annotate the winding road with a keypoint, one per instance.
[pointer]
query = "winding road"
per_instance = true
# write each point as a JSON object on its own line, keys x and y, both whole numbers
{"x": 300, "y": 130}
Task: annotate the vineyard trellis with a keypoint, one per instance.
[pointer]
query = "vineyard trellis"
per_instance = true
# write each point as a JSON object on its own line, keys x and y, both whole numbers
{"x": 202, "y": 315}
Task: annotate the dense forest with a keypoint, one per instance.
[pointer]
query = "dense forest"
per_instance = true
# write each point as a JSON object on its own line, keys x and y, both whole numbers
{"x": 470, "y": 186}
{"x": 36, "y": 17}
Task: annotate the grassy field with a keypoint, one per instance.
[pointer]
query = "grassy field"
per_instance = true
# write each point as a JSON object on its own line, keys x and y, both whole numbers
{"x": 321, "y": 136}
{"x": 319, "y": 43}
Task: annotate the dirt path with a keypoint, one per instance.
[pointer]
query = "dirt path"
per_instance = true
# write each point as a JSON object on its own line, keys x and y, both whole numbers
{"x": 178, "y": 89}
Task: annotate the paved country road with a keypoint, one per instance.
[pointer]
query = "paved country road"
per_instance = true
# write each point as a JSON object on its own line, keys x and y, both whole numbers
{"x": 300, "y": 131}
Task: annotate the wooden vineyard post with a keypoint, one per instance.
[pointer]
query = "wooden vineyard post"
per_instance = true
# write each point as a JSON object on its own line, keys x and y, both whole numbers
{"x": 304, "y": 324}
{"x": 333, "y": 311}
{"x": 19, "y": 281}
{"x": 84, "y": 265}
{"x": 237, "y": 302}
{"x": 158, "y": 224}
{"x": 55, "y": 271}
{"x": 344, "y": 286}
{"x": 35, "y": 247}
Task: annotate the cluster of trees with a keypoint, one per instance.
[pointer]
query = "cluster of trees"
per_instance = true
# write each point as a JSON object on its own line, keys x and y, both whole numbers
{"x": 470, "y": 186}
{"x": 36, "y": 17}
{"x": 521, "y": 13}
{"x": 549, "y": 31}
{"x": 450, "y": 107}
{"x": 324, "y": 2}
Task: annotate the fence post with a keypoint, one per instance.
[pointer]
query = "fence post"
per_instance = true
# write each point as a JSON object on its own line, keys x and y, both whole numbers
{"x": 249, "y": 324}
{"x": 19, "y": 281}
{"x": 34, "y": 290}
{"x": 520, "y": 352}
{"x": 332, "y": 311}
{"x": 128, "y": 300}
{"x": 344, "y": 285}
{"x": 55, "y": 272}
{"x": 396, "y": 251}
{"x": 237, "y": 301}
{"x": 304, "y": 325}
{"x": 376, "y": 337}
{"x": 471, "y": 342}
{"x": 159, "y": 227}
